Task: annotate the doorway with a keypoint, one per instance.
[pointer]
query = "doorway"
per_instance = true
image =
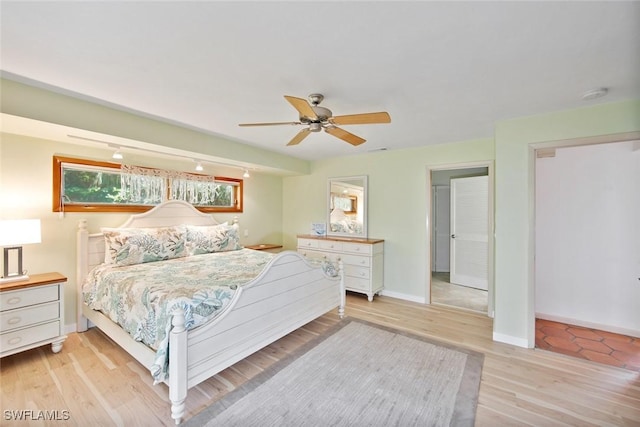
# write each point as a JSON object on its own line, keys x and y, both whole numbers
{"x": 461, "y": 247}
{"x": 587, "y": 202}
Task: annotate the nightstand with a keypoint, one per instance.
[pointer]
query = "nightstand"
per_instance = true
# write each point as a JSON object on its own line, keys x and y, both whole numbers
{"x": 32, "y": 313}
{"x": 269, "y": 247}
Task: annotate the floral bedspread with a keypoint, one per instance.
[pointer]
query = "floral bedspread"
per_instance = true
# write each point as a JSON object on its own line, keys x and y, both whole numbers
{"x": 141, "y": 297}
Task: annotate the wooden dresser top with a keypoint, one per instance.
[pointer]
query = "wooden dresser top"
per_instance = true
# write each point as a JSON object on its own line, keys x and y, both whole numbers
{"x": 341, "y": 239}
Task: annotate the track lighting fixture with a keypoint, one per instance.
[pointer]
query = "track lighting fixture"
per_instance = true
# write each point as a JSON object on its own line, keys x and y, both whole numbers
{"x": 246, "y": 174}
{"x": 199, "y": 167}
{"x": 117, "y": 155}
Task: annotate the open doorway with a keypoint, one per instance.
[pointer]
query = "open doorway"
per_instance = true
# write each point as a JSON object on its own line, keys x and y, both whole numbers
{"x": 587, "y": 205}
{"x": 461, "y": 213}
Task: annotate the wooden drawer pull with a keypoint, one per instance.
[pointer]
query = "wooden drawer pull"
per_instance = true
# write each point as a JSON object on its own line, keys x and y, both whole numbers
{"x": 14, "y": 300}
{"x": 14, "y": 320}
{"x": 15, "y": 340}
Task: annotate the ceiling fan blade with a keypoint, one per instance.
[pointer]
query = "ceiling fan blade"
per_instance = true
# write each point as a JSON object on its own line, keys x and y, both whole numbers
{"x": 270, "y": 124}
{"x": 362, "y": 119}
{"x": 344, "y": 135}
{"x": 299, "y": 136}
{"x": 302, "y": 106}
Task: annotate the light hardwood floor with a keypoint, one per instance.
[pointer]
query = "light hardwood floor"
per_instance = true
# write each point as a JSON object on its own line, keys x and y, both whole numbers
{"x": 101, "y": 385}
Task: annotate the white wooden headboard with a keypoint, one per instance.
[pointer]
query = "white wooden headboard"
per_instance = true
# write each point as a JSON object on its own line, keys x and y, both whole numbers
{"x": 91, "y": 247}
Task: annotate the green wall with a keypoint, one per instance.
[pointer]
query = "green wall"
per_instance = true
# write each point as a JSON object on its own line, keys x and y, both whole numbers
{"x": 26, "y": 183}
{"x": 397, "y": 204}
{"x": 21, "y": 100}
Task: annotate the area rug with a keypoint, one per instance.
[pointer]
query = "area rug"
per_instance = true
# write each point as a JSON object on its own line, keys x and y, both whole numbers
{"x": 357, "y": 374}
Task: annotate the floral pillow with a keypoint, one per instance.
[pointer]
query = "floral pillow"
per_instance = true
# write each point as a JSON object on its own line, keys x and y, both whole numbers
{"x": 204, "y": 239}
{"x": 127, "y": 246}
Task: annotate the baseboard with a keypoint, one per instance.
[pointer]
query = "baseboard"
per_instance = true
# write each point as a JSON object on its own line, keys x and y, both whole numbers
{"x": 402, "y": 296}
{"x": 70, "y": 328}
{"x": 508, "y": 339}
{"x": 590, "y": 325}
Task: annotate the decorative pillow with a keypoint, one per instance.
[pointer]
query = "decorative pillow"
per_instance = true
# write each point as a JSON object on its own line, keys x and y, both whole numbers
{"x": 127, "y": 246}
{"x": 204, "y": 239}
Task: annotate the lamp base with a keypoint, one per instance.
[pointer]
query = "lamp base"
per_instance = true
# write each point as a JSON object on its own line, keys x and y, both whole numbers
{"x": 14, "y": 278}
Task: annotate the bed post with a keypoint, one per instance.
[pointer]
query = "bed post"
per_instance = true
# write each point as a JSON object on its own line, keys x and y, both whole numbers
{"x": 178, "y": 365}
{"x": 82, "y": 263}
{"x": 343, "y": 292}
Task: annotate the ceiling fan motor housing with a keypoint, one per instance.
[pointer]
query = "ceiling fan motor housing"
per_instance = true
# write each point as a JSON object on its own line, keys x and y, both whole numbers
{"x": 323, "y": 114}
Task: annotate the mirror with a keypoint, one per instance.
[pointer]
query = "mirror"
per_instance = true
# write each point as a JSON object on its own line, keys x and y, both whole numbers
{"x": 347, "y": 206}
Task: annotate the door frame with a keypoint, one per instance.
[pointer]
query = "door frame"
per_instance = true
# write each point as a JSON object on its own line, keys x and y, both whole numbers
{"x": 489, "y": 164}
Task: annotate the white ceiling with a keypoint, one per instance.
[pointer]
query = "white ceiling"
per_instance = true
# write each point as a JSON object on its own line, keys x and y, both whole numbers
{"x": 445, "y": 71}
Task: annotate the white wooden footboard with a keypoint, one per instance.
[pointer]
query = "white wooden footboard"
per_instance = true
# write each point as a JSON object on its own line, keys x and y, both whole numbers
{"x": 289, "y": 293}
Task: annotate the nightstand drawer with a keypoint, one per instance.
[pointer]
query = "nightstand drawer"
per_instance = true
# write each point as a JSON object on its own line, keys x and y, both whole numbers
{"x": 26, "y": 297}
{"x": 27, "y": 336}
{"x": 21, "y": 317}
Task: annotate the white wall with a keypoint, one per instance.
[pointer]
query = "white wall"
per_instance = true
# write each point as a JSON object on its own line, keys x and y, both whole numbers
{"x": 587, "y": 237}
{"x": 26, "y": 183}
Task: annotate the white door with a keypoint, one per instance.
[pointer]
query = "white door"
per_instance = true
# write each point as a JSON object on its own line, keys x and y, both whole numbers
{"x": 441, "y": 218}
{"x": 470, "y": 231}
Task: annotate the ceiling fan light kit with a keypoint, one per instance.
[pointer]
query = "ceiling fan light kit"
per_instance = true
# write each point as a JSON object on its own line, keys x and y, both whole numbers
{"x": 316, "y": 118}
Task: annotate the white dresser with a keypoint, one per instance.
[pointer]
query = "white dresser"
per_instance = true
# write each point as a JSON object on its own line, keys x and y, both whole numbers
{"x": 32, "y": 313}
{"x": 362, "y": 259}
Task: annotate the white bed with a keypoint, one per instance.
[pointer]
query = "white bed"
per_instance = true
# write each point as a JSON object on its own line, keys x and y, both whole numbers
{"x": 286, "y": 295}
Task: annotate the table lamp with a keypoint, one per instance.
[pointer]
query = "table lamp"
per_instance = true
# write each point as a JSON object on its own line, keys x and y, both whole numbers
{"x": 13, "y": 234}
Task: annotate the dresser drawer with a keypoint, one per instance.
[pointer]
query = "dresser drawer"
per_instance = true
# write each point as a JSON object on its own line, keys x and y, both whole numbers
{"x": 360, "y": 261}
{"x": 26, "y": 297}
{"x": 330, "y": 245}
{"x": 21, "y": 317}
{"x": 354, "y": 271}
{"x": 27, "y": 336}
{"x": 357, "y": 283}
{"x": 357, "y": 248}
{"x": 311, "y": 254}
{"x": 307, "y": 243}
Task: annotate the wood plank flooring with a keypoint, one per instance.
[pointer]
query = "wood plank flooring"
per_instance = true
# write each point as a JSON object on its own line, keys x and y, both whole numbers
{"x": 99, "y": 384}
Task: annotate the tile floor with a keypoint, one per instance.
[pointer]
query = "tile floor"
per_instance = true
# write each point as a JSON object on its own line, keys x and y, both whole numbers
{"x": 444, "y": 292}
{"x": 598, "y": 346}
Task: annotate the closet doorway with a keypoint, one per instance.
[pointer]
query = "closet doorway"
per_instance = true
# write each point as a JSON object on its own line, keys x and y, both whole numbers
{"x": 461, "y": 213}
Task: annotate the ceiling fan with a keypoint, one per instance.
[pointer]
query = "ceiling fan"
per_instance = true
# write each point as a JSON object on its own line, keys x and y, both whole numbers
{"x": 317, "y": 118}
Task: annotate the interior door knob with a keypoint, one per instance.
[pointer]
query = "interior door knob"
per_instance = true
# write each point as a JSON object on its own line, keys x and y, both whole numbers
{"x": 453, "y": 236}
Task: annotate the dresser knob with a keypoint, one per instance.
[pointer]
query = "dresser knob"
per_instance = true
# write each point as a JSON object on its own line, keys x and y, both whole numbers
{"x": 15, "y": 340}
{"x": 14, "y": 320}
{"x": 13, "y": 300}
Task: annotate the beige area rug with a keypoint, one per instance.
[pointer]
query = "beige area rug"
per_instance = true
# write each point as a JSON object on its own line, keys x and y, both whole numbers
{"x": 357, "y": 374}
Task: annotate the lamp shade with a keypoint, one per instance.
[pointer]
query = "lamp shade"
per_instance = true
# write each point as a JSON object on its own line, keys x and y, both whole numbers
{"x": 19, "y": 232}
